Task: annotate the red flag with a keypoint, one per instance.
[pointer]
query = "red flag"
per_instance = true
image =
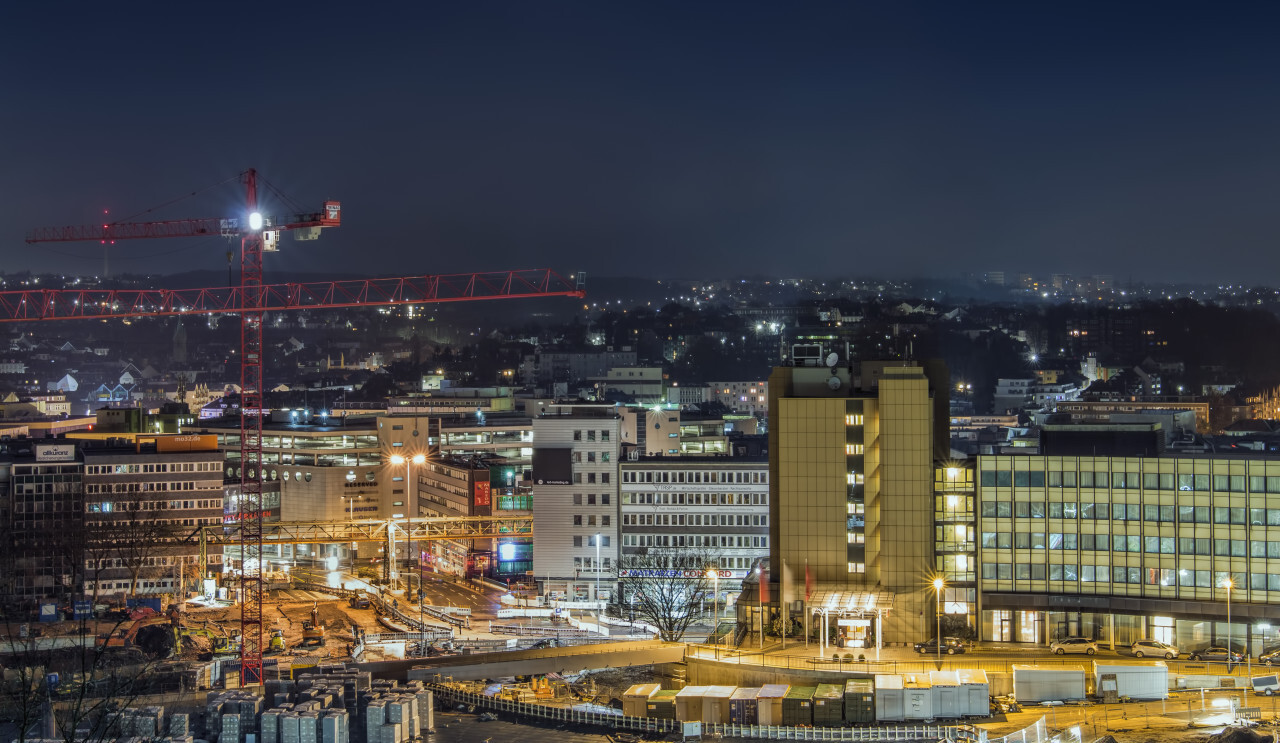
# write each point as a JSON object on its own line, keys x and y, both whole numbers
{"x": 808, "y": 581}
{"x": 764, "y": 586}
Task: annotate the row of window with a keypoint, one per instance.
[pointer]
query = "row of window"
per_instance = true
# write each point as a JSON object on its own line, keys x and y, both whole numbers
{"x": 156, "y": 468}
{"x": 1183, "y": 514}
{"x": 1164, "y": 577}
{"x": 605, "y": 499}
{"x": 150, "y": 487}
{"x": 693, "y": 540}
{"x": 590, "y": 520}
{"x": 590, "y": 435}
{"x": 591, "y": 457}
{"x": 590, "y": 478}
{"x": 1156, "y": 545}
{"x": 696, "y": 499}
{"x": 173, "y": 505}
{"x": 1129, "y": 480}
{"x": 604, "y": 541}
{"x": 697, "y": 476}
{"x": 694, "y": 519}
{"x": 158, "y": 522}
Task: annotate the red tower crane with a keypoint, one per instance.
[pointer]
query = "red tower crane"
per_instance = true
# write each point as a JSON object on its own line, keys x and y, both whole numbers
{"x": 252, "y": 298}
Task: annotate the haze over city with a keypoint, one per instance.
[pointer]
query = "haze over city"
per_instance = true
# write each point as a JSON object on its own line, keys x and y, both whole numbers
{"x": 660, "y": 139}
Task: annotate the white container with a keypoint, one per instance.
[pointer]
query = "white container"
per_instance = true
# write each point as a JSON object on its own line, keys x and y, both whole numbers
{"x": 947, "y": 701}
{"x": 975, "y": 692}
{"x": 917, "y": 698}
{"x": 1148, "y": 680}
{"x": 889, "y": 698}
{"x": 769, "y": 703}
{"x": 1033, "y": 684}
{"x": 689, "y": 703}
{"x": 715, "y": 704}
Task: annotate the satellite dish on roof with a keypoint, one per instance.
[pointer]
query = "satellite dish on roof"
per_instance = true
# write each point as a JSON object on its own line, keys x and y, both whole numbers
{"x": 832, "y": 359}
{"x": 834, "y": 382}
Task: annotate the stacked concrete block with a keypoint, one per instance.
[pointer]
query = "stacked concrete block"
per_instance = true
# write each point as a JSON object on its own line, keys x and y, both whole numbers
{"x": 309, "y": 727}
{"x": 375, "y": 714}
{"x": 269, "y": 726}
{"x": 392, "y": 732}
{"x": 231, "y": 731}
{"x": 179, "y": 725}
{"x": 290, "y": 728}
{"x": 335, "y": 727}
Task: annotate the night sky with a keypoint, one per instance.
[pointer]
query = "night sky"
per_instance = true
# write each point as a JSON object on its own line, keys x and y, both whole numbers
{"x": 681, "y": 139}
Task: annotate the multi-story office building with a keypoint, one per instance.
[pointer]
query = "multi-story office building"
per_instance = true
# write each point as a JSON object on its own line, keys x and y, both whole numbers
{"x": 44, "y": 546}
{"x": 575, "y": 489}
{"x": 150, "y": 497}
{"x": 106, "y": 518}
{"x": 1124, "y": 548}
{"x": 473, "y": 486}
{"x": 851, "y": 480}
{"x": 320, "y": 472}
{"x": 716, "y": 507}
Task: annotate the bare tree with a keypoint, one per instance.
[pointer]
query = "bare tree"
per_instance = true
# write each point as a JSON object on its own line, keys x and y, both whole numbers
{"x": 667, "y": 586}
{"x": 134, "y": 536}
{"x": 93, "y": 678}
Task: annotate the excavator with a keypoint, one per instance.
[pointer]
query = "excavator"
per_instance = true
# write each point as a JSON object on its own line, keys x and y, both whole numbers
{"x": 313, "y": 631}
{"x": 148, "y": 634}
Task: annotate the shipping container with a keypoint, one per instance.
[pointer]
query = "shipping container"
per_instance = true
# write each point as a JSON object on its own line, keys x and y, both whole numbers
{"x": 636, "y": 699}
{"x": 743, "y": 705}
{"x": 769, "y": 703}
{"x": 1149, "y": 680}
{"x": 889, "y": 698}
{"x": 662, "y": 705}
{"x": 689, "y": 703}
{"x": 859, "y": 701}
{"x": 946, "y": 695}
{"x": 828, "y": 706}
{"x": 715, "y": 704}
{"x": 1033, "y": 684}
{"x": 917, "y": 697}
{"x": 975, "y": 691}
{"x": 797, "y": 706}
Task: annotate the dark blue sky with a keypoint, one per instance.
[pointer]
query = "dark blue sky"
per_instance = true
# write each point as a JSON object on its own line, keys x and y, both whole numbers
{"x": 677, "y": 139}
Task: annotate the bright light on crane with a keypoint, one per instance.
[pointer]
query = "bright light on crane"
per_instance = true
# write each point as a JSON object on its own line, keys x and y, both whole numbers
{"x": 255, "y": 221}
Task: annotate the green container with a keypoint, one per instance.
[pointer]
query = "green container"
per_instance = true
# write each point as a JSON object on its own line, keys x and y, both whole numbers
{"x": 828, "y": 706}
{"x": 860, "y": 701}
{"x": 662, "y": 705}
{"x": 797, "y": 706}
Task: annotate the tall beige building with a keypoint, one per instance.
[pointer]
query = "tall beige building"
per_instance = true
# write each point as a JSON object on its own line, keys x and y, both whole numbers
{"x": 851, "y": 497}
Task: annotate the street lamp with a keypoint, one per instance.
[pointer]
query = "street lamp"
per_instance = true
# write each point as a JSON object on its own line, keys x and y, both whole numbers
{"x": 597, "y": 538}
{"x": 1228, "y": 584}
{"x": 351, "y": 502}
{"x": 714, "y": 575}
{"x": 760, "y": 595}
{"x": 937, "y": 590}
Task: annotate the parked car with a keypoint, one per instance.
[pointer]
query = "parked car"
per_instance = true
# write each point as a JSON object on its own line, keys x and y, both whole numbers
{"x": 1216, "y": 652}
{"x": 1143, "y": 648}
{"x": 1073, "y": 645}
{"x": 950, "y": 646}
{"x": 1269, "y": 657}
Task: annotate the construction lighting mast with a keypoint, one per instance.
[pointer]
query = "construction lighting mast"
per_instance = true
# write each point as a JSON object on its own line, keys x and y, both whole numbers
{"x": 251, "y": 299}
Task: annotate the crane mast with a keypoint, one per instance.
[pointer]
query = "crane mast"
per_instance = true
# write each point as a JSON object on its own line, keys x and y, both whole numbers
{"x": 250, "y": 511}
{"x": 251, "y": 300}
